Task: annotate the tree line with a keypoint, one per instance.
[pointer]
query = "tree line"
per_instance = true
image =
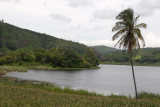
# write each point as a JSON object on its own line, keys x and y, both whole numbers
{"x": 53, "y": 57}
{"x": 148, "y": 55}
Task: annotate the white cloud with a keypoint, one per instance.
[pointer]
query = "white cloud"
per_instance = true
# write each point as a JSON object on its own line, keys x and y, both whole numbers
{"x": 4, "y": 0}
{"x": 10, "y": 0}
{"x": 78, "y": 3}
{"x": 105, "y": 14}
{"x": 60, "y": 17}
{"x": 98, "y": 42}
{"x": 150, "y": 4}
{"x": 147, "y": 7}
{"x": 152, "y": 40}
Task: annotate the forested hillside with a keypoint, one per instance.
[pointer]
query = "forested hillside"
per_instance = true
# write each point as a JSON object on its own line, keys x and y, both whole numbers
{"x": 24, "y": 47}
{"x": 15, "y": 38}
{"x": 104, "y": 49}
{"x": 145, "y": 56}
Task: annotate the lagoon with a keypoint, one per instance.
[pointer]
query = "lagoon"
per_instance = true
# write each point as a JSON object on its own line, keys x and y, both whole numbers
{"x": 109, "y": 79}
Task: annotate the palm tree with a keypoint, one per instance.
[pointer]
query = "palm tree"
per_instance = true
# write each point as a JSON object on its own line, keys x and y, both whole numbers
{"x": 129, "y": 32}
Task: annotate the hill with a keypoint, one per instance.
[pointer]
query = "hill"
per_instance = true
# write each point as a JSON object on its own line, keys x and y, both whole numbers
{"x": 14, "y": 38}
{"x": 144, "y": 56}
{"x": 104, "y": 49}
{"x": 28, "y": 48}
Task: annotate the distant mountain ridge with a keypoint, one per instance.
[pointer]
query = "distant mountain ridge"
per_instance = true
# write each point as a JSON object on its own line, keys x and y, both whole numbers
{"x": 14, "y": 38}
{"x": 102, "y": 49}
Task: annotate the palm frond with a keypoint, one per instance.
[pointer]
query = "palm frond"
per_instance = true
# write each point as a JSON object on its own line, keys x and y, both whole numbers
{"x": 120, "y": 32}
{"x": 124, "y": 15}
{"x": 120, "y": 40}
{"x": 139, "y": 36}
{"x": 135, "y": 20}
{"x": 138, "y": 45}
{"x": 120, "y": 23}
{"x": 142, "y": 25}
{"x": 116, "y": 28}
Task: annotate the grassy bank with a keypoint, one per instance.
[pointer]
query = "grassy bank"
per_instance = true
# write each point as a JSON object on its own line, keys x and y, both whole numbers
{"x": 16, "y": 68}
{"x": 128, "y": 63}
{"x": 5, "y": 69}
{"x": 31, "y": 93}
{"x": 42, "y": 85}
{"x": 51, "y": 68}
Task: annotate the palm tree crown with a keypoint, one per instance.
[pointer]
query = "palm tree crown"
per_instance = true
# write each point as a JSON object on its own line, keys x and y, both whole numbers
{"x": 129, "y": 30}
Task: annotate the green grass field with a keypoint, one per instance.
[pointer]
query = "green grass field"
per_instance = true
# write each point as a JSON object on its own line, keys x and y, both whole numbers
{"x": 14, "y": 93}
{"x": 17, "y": 96}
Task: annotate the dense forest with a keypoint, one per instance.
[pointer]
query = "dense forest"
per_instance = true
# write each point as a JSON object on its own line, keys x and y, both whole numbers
{"x": 53, "y": 57}
{"x": 14, "y": 38}
{"x": 24, "y": 47}
{"x": 143, "y": 56}
{"x": 146, "y": 55}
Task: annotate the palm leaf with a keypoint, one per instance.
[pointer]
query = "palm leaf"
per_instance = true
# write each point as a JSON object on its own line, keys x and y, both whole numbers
{"x": 139, "y": 35}
{"x": 142, "y": 25}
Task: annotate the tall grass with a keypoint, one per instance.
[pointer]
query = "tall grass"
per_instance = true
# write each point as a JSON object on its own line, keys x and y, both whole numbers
{"x": 24, "y": 96}
{"x": 5, "y": 68}
{"x": 142, "y": 95}
{"x": 44, "y": 86}
{"x": 39, "y": 94}
{"x": 17, "y": 68}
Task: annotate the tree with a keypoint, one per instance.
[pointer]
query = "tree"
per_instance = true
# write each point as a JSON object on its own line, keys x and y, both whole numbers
{"x": 129, "y": 32}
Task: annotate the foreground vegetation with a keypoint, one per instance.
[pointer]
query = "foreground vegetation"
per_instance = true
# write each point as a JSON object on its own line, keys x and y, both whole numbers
{"x": 32, "y": 93}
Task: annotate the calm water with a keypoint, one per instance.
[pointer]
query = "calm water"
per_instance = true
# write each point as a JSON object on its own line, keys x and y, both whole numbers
{"x": 116, "y": 79}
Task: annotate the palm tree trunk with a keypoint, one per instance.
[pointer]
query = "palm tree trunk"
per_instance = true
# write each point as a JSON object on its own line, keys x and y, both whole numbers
{"x": 133, "y": 76}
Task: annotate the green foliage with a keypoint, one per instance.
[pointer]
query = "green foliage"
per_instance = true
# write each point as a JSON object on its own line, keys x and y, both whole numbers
{"x": 91, "y": 58}
{"x": 128, "y": 30}
{"x": 21, "y": 46}
{"x": 148, "y": 95}
{"x": 5, "y": 69}
{"x": 144, "y": 56}
{"x": 53, "y": 57}
{"x": 13, "y": 38}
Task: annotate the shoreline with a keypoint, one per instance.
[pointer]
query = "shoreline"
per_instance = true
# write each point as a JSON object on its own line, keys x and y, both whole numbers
{"x": 42, "y": 85}
{"x": 134, "y": 64}
{"x": 12, "y": 68}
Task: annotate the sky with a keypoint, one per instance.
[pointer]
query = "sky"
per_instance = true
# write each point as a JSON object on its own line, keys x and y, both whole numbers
{"x": 85, "y": 21}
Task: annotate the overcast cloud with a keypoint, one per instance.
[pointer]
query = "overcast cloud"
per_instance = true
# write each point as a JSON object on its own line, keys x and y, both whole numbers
{"x": 105, "y": 14}
{"x": 85, "y": 21}
{"x": 59, "y": 17}
{"x": 78, "y": 3}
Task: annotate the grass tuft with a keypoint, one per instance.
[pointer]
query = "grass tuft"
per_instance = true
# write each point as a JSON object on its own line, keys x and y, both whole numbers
{"x": 148, "y": 95}
{"x": 5, "y": 68}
